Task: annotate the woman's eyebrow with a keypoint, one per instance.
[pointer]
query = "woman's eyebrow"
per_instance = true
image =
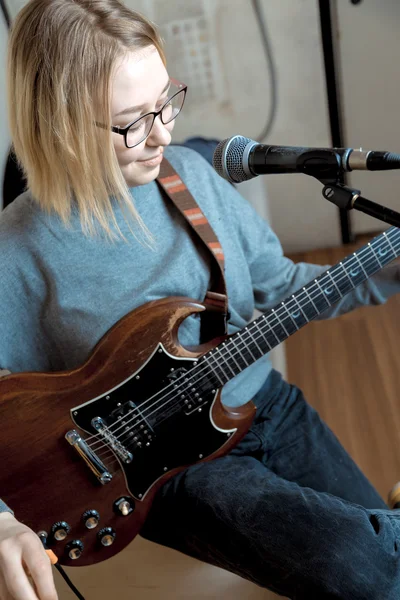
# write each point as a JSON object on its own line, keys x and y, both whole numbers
{"x": 131, "y": 109}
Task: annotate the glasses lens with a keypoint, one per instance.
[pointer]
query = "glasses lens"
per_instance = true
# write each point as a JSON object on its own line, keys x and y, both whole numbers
{"x": 139, "y": 131}
{"x": 173, "y": 108}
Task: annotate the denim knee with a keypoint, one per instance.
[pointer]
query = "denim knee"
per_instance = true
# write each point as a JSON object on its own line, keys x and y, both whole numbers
{"x": 364, "y": 564}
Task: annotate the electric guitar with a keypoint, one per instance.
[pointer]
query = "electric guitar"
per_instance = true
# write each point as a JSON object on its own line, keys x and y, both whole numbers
{"x": 84, "y": 451}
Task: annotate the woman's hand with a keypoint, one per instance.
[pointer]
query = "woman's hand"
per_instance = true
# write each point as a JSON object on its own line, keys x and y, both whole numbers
{"x": 22, "y": 553}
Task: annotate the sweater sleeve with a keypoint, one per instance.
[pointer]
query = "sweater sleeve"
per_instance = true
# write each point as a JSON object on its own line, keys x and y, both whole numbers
{"x": 4, "y": 507}
{"x": 276, "y": 277}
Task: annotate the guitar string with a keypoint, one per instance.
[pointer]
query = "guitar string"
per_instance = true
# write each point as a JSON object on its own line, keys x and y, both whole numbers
{"x": 176, "y": 392}
{"x": 124, "y": 423}
{"x": 110, "y": 451}
{"x": 275, "y": 314}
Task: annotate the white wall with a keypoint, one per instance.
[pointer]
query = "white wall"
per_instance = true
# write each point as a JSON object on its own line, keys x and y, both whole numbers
{"x": 368, "y": 49}
{"x": 300, "y": 216}
{"x": 240, "y": 100}
{"x": 240, "y": 97}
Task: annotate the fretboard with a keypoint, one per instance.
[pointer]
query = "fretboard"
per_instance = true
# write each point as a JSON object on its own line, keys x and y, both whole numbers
{"x": 274, "y": 326}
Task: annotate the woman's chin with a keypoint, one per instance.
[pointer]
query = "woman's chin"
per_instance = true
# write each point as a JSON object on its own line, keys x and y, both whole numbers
{"x": 141, "y": 176}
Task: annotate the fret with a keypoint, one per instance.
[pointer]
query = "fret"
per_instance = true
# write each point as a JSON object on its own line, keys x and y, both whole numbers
{"x": 334, "y": 283}
{"x": 347, "y": 275}
{"x": 356, "y": 274}
{"x": 263, "y": 336}
{"x": 321, "y": 294}
{"x": 253, "y": 339}
{"x": 239, "y": 348}
{"x": 312, "y": 303}
{"x": 342, "y": 280}
{"x": 296, "y": 327}
{"x": 239, "y": 351}
{"x": 298, "y": 314}
{"x": 393, "y": 250}
{"x": 222, "y": 358}
{"x": 248, "y": 345}
{"x": 375, "y": 264}
{"x": 375, "y": 254}
{"x": 355, "y": 271}
{"x": 278, "y": 327}
{"x": 361, "y": 265}
{"x": 307, "y": 309}
{"x": 370, "y": 266}
{"x": 225, "y": 377}
{"x": 285, "y": 320}
{"x": 280, "y": 323}
{"x": 225, "y": 346}
{"x": 271, "y": 330}
{"x": 336, "y": 286}
{"x": 385, "y": 249}
{"x": 330, "y": 291}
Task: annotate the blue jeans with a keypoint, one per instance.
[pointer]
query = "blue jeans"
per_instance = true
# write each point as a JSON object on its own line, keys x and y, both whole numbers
{"x": 287, "y": 509}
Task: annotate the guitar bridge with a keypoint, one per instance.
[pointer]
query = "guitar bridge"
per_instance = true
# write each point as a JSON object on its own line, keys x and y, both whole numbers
{"x": 93, "y": 462}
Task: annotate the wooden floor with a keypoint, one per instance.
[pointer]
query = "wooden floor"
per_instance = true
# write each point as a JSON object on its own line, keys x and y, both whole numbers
{"x": 349, "y": 370}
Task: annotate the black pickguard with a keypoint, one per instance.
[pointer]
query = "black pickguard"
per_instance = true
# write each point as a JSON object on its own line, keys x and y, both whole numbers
{"x": 176, "y": 434}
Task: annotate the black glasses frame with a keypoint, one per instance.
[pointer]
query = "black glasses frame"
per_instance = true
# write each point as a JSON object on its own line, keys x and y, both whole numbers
{"x": 124, "y": 130}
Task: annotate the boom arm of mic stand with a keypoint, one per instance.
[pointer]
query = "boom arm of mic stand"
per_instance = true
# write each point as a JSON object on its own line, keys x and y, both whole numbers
{"x": 348, "y": 198}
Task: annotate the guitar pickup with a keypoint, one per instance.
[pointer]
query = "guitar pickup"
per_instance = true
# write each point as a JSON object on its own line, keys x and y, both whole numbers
{"x": 112, "y": 441}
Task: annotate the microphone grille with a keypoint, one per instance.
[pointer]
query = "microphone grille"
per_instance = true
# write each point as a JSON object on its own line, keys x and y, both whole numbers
{"x": 230, "y": 159}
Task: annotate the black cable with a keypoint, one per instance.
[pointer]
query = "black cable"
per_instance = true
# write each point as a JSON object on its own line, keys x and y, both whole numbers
{"x": 67, "y": 579}
{"x": 6, "y": 14}
{"x": 43, "y": 538}
{"x": 270, "y": 60}
{"x": 332, "y": 88}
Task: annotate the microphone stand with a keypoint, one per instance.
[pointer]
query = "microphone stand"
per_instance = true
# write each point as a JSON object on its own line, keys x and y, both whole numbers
{"x": 325, "y": 165}
{"x": 347, "y": 198}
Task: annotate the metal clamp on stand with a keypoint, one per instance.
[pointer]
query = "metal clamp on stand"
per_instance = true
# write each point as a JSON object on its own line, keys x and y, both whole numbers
{"x": 347, "y": 198}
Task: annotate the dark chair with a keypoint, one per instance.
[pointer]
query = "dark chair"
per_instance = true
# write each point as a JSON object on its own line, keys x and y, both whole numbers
{"x": 13, "y": 182}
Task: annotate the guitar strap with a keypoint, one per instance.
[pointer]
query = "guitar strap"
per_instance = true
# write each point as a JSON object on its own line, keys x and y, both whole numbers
{"x": 214, "y": 319}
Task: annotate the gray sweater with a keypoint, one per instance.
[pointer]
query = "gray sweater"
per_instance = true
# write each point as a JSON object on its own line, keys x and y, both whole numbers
{"x": 61, "y": 291}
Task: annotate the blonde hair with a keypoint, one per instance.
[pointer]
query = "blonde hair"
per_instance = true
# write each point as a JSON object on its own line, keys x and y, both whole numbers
{"x": 61, "y": 58}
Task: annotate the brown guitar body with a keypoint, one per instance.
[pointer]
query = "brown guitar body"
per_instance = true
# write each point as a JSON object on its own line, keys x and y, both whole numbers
{"x": 46, "y": 481}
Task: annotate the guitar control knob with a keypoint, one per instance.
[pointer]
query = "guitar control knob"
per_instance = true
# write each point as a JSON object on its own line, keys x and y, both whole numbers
{"x": 124, "y": 506}
{"x": 106, "y": 536}
{"x": 91, "y": 518}
{"x": 74, "y": 549}
{"x": 60, "y": 530}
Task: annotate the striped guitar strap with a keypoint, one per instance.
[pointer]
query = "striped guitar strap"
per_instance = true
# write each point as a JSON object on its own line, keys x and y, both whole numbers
{"x": 214, "y": 319}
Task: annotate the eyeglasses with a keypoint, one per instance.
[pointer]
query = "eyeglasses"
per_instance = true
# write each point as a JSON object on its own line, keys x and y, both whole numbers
{"x": 136, "y": 132}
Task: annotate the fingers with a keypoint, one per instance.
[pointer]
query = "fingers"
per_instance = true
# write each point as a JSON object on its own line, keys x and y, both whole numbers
{"x": 4, "y": 594}
{"x": 41, "y": 572}
{"x": 16, "y": 584}
{"x": 15, "y": 580}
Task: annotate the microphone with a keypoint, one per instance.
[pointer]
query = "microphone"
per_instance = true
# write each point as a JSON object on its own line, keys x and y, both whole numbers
{"x": 239, "y": 159}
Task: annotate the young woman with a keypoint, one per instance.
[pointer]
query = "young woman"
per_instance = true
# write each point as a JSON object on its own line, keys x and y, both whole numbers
{"x": 92, "y": 238}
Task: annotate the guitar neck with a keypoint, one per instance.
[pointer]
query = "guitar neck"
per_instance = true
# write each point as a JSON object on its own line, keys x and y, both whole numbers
{"x": 258, "y": 338}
